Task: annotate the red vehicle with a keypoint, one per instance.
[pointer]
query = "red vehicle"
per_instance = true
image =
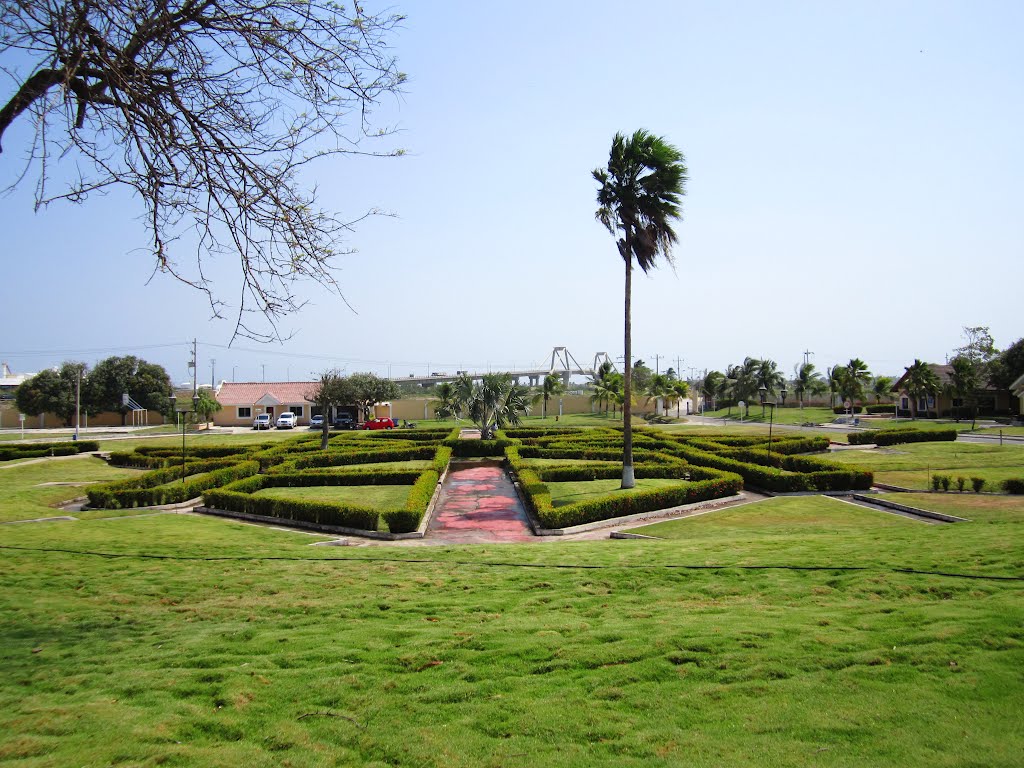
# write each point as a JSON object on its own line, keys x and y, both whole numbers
{"x": 379, "y": 424}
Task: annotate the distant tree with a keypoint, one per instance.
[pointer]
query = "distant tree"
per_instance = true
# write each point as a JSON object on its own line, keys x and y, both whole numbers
{"x": 881, "y": 388}
{"x": 552, "y": 386}
{"x": 833, "y": 378}
{"x": 744, "y": 379}
{"x": 854, "y": 378}
{"x": 804, "y": 380}
{"x": 448, "y": 407}
{"x": 208, "y": 112}
{"x": 769, "y": 376}
{"x": 146, "y": 383}
{"x": 54, "y": 391}
{"x": 642, "y": 375}
{"x": 709, "y": 387}
{"x": 964, "y": 381}
{"x": 921, "y": 382}
{"x": 640, "y": 197}
{"x": 1006, "y": 367}
{"x": 979, "y": 347}
{"x": 368, "y": 389}
{"x": 680, "y": 391}
{"x": 207, "y": 405}
{"x": 658, "y": 386}
{"x": 330, "y": 390}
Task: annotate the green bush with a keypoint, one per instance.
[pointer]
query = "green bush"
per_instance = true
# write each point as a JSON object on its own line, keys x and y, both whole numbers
{"x": 136, "y": 460}
{"x": 881, "y": 409}
{"x": 977, "y": 483}
{"x": 334, "y": 458}
{"x": 1014, "y": 485}
{"x": 477, "y": 448}
{"x": 936, "y": 481}
{"x": 150, "y": 489}
{"x": 898, "y": 436}
{"x": 961, "y": 483}
{"x": 39, "y": 450}
{"x": 944, "y": 480}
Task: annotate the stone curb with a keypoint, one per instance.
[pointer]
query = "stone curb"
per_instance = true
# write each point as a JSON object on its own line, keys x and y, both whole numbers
{"x": 911, "y": 510}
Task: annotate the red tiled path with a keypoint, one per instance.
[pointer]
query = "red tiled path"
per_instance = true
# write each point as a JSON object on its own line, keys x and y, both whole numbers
{"x": 478, "y": 505}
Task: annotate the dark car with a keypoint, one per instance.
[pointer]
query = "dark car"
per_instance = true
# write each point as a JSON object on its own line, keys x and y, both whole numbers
{"x": 316, "y": 422}
{"x": 343, "y": 421}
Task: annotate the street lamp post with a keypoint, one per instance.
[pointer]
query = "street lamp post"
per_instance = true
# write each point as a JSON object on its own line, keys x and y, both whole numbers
{"x": 183, "y": 413}
{"x": 763, "y": 392}
{"x": 771, "y": 421}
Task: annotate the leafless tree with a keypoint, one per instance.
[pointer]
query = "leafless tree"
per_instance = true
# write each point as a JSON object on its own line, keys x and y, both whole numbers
{"x": 208, "y": 110}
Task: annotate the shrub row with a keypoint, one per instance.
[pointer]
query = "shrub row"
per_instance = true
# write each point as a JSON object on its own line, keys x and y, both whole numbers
{"x": 775, "y": 479}
{"x": 474, "y": 448}
{"x": 37, "y": 450}
{"x": 331, "y": 458}
{"x": 238, "y": 498}
{"x": 899, "y": 436}
{"x": 137, "y": 460}
{"x": 881, "y": 409}
{"x": 619, "y": 505}
{"x": 677, "y": 469}
{"x": 150, "y": 489}
{"x": 199, "y": 452}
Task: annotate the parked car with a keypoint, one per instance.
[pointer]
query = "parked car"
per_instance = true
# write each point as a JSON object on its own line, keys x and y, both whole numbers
{"x": 286, "y": 420}
{"x": 383, "y": 423}
{"x": 262, "y": 421}
{"x": 344, "y": 421}
{"x": 316, "y": 422}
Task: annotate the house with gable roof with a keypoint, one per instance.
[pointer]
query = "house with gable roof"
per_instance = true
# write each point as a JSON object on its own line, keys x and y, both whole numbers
{"x": 241, "y": 402}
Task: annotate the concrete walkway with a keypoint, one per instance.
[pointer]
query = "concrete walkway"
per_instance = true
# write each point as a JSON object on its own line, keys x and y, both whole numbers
{"x": 478, "y": 505}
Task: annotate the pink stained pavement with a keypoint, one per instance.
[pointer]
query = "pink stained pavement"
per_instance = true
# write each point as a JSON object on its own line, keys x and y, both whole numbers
{"x": 479, "y": 505}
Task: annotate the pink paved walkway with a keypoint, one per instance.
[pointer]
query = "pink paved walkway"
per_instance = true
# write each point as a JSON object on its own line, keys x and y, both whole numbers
{"x": 478, "y": 505}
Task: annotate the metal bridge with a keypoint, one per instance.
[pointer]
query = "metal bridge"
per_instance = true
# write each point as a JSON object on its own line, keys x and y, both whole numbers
{"x": 562, "y": 364}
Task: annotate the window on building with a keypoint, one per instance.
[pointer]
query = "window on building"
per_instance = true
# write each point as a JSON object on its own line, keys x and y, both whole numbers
{"x": 904, "y": 403}
{"x": 296, "y": 409}
{"x": 245, "y": 413}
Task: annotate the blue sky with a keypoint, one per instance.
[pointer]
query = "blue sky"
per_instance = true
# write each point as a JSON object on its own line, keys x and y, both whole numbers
{"x": 855, "y": 190}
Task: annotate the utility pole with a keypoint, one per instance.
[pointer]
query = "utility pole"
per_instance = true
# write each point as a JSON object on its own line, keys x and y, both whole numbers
{"x": 807, "y": 355}
{"x": 679, "y": 366}
{"x": 657, "y": 359}
{"x": 213, "y": 377}
{"x": 78, "y": 401}
{"x": 263, "y": 366}
{"x": 192, "y": 365}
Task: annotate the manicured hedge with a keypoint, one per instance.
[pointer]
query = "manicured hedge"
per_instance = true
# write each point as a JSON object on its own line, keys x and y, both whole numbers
{"x": 38, "y": 450}
{"x": 143, "y": 491}
{"x": 679, "y": 470}
{"x": 881, "y": 409}
{"x": 621, "y": 505}
{"x": 238, "y": 498}
{"x": 195, "y": 452}
{"x": 474, "y": 448}
{"x": 1013, "y": 485}
{"x": 137, "y": 460}
{"x": 331, "y": 458}
{"x": 900, "y": 436}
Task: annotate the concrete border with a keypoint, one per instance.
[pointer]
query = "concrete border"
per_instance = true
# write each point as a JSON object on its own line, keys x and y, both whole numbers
{"x": 908, "y": 509}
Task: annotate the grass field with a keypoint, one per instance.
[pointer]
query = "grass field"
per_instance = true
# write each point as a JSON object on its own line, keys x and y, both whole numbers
{"x": 25, "y": 494}
{"x": 912, "y": 465}
{"x": 793, "y": 632}
{"x": 572, "y": 492}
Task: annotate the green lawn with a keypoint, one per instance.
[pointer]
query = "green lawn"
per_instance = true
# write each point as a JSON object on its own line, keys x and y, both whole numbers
{"x": 24, "y": 497}
{"x": 783, "y": 633}
{"x": 372, "y": 496}
{"x": 570, "y": 493}
{"x": 911, "y": 465}
{"x": 983, "y": 508}
{"x": 994, "y": 431}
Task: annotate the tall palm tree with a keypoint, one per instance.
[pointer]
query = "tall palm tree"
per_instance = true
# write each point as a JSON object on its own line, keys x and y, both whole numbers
{"x": 964, "y": 381}
{"x": 639, "y": 198}
{"x": 709, "y": 387}
{"x": 921, "y": 381}
{"x": 833, "y": 377}
{"x": 658, "y": 386}
{"x": 745, "y": 382}
{"x": 552, "y": 386}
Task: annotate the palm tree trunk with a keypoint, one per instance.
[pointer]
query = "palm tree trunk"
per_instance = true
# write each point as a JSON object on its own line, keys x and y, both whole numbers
{"x": 628, "y": 478}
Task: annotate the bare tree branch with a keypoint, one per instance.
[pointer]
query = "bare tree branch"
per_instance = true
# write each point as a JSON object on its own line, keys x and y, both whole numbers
{"x": 207, "y": 110}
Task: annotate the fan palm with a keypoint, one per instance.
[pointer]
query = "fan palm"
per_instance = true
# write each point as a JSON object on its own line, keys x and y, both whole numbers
{"x": 855, "y": 379}
{"x": 552, "y": 386}
{"x": 921, "y": 381}
{"x": 639, "y": 198}
{"x": 680, "y": 391}
{"x": 804, "y": 380}
{"x": 881, "y": 388}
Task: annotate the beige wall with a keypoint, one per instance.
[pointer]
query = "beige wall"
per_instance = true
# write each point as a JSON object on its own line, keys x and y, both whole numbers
{"x": 228, "y": 416}
{"x": 9, "y": 419}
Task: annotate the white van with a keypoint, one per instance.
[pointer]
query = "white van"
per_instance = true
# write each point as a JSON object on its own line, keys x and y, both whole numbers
{"x": 286, "y": 420}
{"x": 262, "y": 421}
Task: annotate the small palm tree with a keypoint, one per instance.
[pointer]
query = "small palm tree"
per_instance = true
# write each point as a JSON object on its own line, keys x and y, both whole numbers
{"x": 804, "y": 380}
{"x": 680, "y": 391}
{"x": 881, "y": 388}
{"x": 964, "y": 381}
{"x": 639, "y": 197}
{"x": 659, "y": 386}
{"x": 855, "y": 379}
{"x": 492, "y": 403}
{"x": 921, "y": 381}
{"x": 449, "y": 407}
{"x": 551, "y": 387}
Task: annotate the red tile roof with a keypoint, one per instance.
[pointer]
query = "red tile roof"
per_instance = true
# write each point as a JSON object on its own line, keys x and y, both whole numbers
{"x": 247, "y": 393}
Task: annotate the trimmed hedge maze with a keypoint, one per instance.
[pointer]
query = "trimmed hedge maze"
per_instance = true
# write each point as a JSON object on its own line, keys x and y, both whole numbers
{"x": 706, "y": 467}
{"x": 38, "y": 450}
{"x": 230, "y": 477}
